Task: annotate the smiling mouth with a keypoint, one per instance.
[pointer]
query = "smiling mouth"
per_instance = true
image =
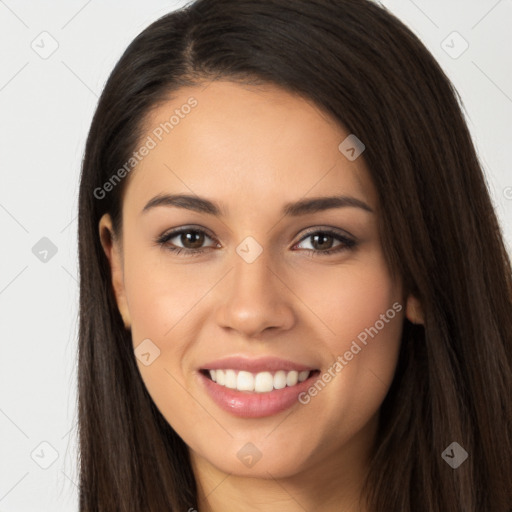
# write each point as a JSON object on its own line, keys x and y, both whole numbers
{"x": 261, "y": 382}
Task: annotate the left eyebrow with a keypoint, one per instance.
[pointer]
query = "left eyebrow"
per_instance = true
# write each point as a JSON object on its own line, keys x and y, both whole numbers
{"x": 318, "y": 204}
{"x": 302, "y": 207}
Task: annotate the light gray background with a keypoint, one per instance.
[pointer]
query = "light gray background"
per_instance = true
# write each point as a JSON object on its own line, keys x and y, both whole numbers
{"x": 46, "y": 107}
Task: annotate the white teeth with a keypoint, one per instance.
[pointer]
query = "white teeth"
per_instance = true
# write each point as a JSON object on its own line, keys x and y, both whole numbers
{"x": 280, "y": 380}
{"x": 245, "y": 381}
{"x": 292, "y": 378}
{"x": 303, "y": 376}
{"x": 261, "y": 382}
{"x": 230, "y": 379}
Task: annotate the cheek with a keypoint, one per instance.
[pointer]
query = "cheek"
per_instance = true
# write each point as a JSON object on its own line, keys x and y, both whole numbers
{"x": 161, "y": 300}
{"x": 347, "y": 300}
{"x": 160, "y": 295}
{"x": 360, "y": 315}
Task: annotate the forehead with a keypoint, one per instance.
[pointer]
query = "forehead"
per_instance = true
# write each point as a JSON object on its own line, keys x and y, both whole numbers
{"x": 260, "y": 144}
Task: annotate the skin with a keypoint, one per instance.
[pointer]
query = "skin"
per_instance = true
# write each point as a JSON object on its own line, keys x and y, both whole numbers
{"x": 252, "y": 149}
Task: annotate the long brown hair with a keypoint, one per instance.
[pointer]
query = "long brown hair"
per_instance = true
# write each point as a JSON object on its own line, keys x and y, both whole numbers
{"x": 440, "y": 234}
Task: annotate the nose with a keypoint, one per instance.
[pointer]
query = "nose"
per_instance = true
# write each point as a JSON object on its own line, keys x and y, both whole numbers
{"x": 254, "y": 298}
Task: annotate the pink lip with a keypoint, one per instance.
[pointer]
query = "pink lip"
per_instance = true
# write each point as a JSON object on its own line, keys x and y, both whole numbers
{"x": 255, "y": 365}
{"x": 247, "y": 404}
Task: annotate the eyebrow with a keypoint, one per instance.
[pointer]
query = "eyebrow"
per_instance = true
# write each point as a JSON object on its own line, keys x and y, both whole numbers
{"x": 301, "y": 207}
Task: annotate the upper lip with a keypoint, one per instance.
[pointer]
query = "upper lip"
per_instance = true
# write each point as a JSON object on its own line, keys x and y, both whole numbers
{"x": 255, "y": 364}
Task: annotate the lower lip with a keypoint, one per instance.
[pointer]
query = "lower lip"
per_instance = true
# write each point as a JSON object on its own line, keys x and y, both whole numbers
{"x": 247, "y": 404}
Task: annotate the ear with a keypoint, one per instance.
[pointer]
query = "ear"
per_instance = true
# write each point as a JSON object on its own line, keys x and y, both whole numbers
{"x": 414, "y": 310}
{"x": 113, "y": 252}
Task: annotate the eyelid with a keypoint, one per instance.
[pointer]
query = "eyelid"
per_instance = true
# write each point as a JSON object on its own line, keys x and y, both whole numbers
{"x": 309, "y": 231}
{"x": 346, "y": 239}
{"x": 328, "y": 229}
{"x": 173, "y": 233}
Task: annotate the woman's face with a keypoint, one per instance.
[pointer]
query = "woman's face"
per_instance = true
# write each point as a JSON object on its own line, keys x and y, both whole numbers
{"x": 265, "y": 301}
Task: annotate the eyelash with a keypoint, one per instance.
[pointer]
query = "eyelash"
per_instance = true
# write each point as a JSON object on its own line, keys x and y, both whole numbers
{"x": 347, "y": 243}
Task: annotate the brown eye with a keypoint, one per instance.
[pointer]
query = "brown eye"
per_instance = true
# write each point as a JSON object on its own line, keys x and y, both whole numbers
{"x": 192, "y": 239}
{"x": 189, "y": 240}
{"x": 322, "y": 242}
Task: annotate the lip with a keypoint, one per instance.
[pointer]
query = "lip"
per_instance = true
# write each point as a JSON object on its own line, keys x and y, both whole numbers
{"x": 255, "y": 365}
{"x": 250, "y": 404}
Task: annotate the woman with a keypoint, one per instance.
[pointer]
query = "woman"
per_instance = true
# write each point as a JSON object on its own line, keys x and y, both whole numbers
{"x": 294, "y": 290}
